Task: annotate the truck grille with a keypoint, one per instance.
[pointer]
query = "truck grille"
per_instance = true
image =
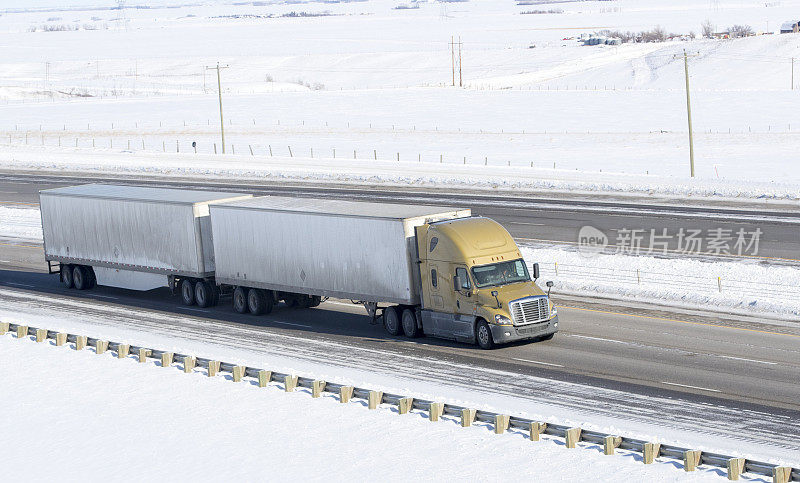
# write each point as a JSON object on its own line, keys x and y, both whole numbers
{"x": 530, "y": 311}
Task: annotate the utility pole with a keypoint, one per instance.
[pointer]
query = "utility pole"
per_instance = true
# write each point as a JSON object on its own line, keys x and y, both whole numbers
{"x": 219, "y": 88}
{"x": 453, "y": 58}
{"x": 460, "y": 81}
{"x": 689, "y": 109}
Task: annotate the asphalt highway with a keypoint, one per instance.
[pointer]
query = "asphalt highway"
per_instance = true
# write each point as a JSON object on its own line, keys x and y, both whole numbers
{"x": 699, "y": 367}
{"x": 529, "y": 219}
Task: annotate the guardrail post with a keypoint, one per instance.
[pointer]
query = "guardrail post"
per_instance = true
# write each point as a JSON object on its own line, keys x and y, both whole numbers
{"x": 374, "y": 399}
{"x": 691, "y": 458}
{"x": 316, "y": 388}
{"x": 22, "y": 331}
{"x": 537, "y": 429}
{"x": 238, "y": 373}
{"x": 4, "y": 326}
{"x": 781, "y": 474}
{"x": 735, "y": 468}
{"x": 166, "y": 359}
{"x": 650, "y": 452}
{"x": 123, "y": 350}
{"x": 345, "y": 394}
{"x": 290, "y": 383}
{"x": 80, "y": 342}
{"x": 264, "y": 377}
{"x": 435, "y": 411}
{"x": 189, "y": 362}
{"x": 41, "y": 335}
{"x": 405, "y": 404}
{"x": 610, "y": 443}
{"x": 213, "y": 368}
{"x": 61, "y": 339}
{"x": 143, "y": 355}
{"x": 100, "y": 346}
{"x": 572, "y": 436}
{"x": 501, "y": 423}
{"x": 467, "y": 417}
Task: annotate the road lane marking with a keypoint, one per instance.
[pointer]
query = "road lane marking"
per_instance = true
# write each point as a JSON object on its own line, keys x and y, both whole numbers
{"x": 17, "y": 202}
{"x": 749, "y": 360}
{"x": 676, "y": 320}
{"x": 289, "y": 323}
{"x": 104, "y": 296}
{"x": 600, "y": 338}
{"x": 20, "y": 245}
{"x": 539, "y": 362}
{"x": 20, "y": 284}
{"x": 690, "y": 387}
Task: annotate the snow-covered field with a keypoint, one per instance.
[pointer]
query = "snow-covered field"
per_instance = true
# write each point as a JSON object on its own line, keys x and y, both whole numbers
{"x": 374, "y": 80}
{"x": 157, "y": 423}
{"x": 20, "y": 223}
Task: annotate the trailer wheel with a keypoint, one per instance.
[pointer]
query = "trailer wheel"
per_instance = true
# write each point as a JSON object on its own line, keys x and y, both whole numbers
{"x": 256, "y": 301}
{"x": 410, "y": 328}
{"x": 291, "y": 300}
{"x": 80, "y": 277}
{"x": 269, "y": 301}
{"x": 240, "y": 300}
{"x": 315, "y": 301}
{"x": 391, "y": 321}
{"x": 483, "y": 335}
{"x": 66, "y": 276}
{"x": 92, "y": 277}
{"x": 202, "y": 294}
{"x": 187, "y": 292}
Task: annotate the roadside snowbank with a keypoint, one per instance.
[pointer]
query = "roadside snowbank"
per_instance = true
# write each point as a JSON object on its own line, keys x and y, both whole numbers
{"x": 20, "y": 223}
{"x": 80, "y": 410}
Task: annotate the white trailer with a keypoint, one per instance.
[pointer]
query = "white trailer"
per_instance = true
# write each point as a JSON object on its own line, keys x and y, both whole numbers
{"x": 300, "y": 250}
{"x": 129, "y": 236}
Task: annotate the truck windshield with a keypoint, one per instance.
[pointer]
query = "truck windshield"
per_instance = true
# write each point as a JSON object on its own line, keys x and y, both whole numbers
{"x": 501, "y": 273}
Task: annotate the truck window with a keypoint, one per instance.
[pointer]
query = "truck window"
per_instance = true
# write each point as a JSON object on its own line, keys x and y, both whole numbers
{"x": 462, "y": 273}
{"x": 502, "y": 273}
{"x": 434, "y": 280}
{"x": 434, "y": 242}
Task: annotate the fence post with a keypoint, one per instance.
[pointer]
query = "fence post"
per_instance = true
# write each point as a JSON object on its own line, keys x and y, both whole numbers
{"x": 537, "y": 429}
{"x": 735, "y": 468}
{"x": 80, "y": 342}
{"x": 691, "y": 458}
{"x": 290, "y": 383}
{"x": 435, "y": 411}
{"x": 638, "y": 277}
{"x": 123, "y": 350}
{"x": 264, "y": 377}
{"x": 41, "y": 335}
{"x": 610, "y": 443}
{"x": 213, "y": 368}
{"x": 317, "y": 387}
{"x": 188, "y": 364}
{"x": 572, "y": 436}
{"x": 650, "y": 452}
{"x": 22, "y": 331}
{"x": 556, "y": 264}
{"x": 404, "y": 405}
{"x": 374, "y": 399}
{"x": 345, "y": 394}
{"x": 101, "y": 346}
{"x": 467, "y": 417}
{"x": 143, "y": 355}
{"x": 61, "y": 338}
{"x": 501, "y": 422}
{"x": 215, "y": 148}
{"x": 238, "y": 373}
{"x": 781, "y": 474}
{"x": 312, "y": 153}
{"x": 166, "y": 359}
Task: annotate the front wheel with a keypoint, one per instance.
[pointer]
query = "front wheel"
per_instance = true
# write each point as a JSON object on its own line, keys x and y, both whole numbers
{"x": 391, "y": 321}
{"x": 547, "y": 337}
{"x": 66, "y": 275}
{"x": 483, "y": 335}
{"x": 240, "y": 300}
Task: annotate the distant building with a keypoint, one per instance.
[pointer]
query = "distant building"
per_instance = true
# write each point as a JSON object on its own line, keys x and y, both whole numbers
{"x": 790, "y": 27}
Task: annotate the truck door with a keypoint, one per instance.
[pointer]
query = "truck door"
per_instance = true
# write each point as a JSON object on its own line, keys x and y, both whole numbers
{"x": 464, "y": 314}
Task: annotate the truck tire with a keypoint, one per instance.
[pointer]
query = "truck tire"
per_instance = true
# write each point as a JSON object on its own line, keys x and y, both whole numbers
{"x": 315, "y": 301}
{"x": 409, "y": 321}
{"x": 92, "y": 277}
{"x": 187, "y": 292}
{"x": 256, "y": 301}
{"x": 291, "y": 299}
{"x": 203, "y": 294}
{"x": 391, "y": 321}
{"x": 80, "y": 277}
{"x": 483, "y": 335}
{"x": 546, "y": 337}
{"x": 66, "y": 276}
{"x": 240, "y": 300}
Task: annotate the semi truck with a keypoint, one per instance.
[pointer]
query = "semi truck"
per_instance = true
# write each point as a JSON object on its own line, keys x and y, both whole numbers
{"x": 420, "y": 270}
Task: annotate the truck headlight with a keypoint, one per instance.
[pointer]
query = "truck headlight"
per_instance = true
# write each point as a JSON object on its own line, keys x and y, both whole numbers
{"x": 502, "y": 320}
{"x": 553, "y": 310}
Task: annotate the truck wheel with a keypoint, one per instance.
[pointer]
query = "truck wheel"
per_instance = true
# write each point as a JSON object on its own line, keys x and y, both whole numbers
{"x": 240, "y": 300}
{"x": 66, "y": 276}
{"x": 92, "y": 277}
{"x": 187, "y": 292}
{"x": 80, "y": 279}
{"x": 391, "y": 321}
{"x": 202, "y": 294}
{"x": 410, "y": 324}
{"x": 547, "y": 337}
{"x": 269, "y": 301}
{"x": 484, "y": 335}
{"x": 291, "y": 300}
{"x": 315, "y": 301}
{"x": 256, "y": 301}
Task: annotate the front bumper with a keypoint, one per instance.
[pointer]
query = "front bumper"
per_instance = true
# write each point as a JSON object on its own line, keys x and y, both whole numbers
{"x": 503, "y": 334}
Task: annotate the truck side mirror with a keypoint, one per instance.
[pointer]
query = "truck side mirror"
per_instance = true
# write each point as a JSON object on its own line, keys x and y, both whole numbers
{"x": 456, "y": 283}
{"x": 535, "y": 272}
{"x": 549, "y": 286}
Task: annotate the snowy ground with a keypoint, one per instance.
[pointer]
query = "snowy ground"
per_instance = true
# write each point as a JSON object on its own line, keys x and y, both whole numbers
{"x": 734, "y": 287}
{"x": 134, "y": 421}
{"x": 375, "y": 80}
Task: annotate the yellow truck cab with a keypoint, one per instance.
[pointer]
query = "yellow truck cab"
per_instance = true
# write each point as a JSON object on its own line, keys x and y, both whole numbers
{"x": 476, "y": 286}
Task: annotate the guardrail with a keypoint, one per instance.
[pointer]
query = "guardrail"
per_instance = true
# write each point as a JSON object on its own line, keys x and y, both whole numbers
{"x": 500, "y": 422}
